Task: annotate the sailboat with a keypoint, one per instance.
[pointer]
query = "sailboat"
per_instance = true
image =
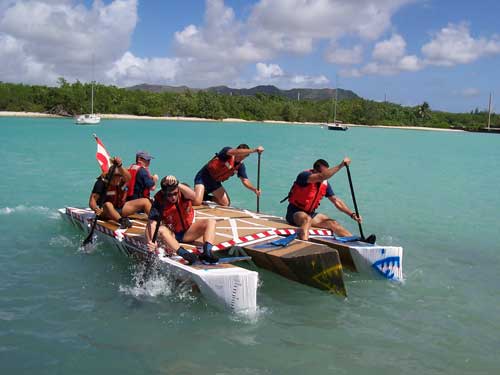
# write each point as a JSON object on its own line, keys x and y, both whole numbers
{"x": 337, "y": 125}
{"x": 92, "y": 118}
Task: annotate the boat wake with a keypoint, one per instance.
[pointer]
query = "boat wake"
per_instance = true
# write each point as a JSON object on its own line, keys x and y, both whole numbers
{"x": 30, "y": 209}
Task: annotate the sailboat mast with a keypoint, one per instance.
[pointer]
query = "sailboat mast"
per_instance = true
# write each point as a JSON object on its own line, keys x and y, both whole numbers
{"x": 92, "y": 100}
{"x": 336, "y": 97}
{"x": 489, "y": 112}
{"x": 92, "y": 96}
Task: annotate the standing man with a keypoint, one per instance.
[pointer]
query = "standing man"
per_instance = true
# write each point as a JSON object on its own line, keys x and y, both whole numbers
{"x": 141, "y": 182}
{"x": 304, "y": 198}
{"x": 173, "y": 209}
{"x": 224, "y": 164}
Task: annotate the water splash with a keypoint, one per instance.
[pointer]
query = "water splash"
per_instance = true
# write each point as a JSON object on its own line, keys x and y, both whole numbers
{"x": 147, "y": 281}
{"x": 63, "y": 241}
{"x": 29, "y": 209}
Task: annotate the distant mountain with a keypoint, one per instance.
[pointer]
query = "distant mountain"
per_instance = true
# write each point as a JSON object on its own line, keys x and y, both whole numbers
{"x": 303, "y": 94}
{"x": 161, "y": 88}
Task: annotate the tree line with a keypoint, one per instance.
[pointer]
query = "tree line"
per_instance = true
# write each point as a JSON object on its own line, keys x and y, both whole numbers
{"x": 74, "y": 98}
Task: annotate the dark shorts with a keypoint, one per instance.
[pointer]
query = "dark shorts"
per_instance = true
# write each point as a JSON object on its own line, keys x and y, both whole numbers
{"x": 291, "y": 210}
{"x": 202, "y": 177}
{"x": 179, "y": 236}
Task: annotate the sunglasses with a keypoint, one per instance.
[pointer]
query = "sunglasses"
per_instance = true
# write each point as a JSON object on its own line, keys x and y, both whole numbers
{"x": 173, "y": 193}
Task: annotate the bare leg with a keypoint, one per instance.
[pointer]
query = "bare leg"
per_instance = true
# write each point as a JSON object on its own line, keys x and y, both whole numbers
{"x": 199, "y": 190}
{"x": 303, "y": 221}
{"x": 323, "y": 221}
{"x": 168, "y": 237}
{"x": 205, "y": 228}
{"x": 136, "y": 205}
{"x": 221, "y": 196}
{"x": 110, "y": 212}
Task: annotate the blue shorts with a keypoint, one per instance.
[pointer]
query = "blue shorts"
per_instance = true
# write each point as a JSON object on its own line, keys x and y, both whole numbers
{"x": 179, "y": 236}
{"x": 291, "y": 210}
{"x": 202, "y": 177}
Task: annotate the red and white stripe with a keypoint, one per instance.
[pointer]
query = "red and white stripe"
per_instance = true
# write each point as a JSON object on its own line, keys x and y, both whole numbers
{"x": 102, "y": 155}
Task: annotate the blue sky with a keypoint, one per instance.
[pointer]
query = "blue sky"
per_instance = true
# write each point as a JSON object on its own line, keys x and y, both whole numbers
{"x": 409, "y": 51}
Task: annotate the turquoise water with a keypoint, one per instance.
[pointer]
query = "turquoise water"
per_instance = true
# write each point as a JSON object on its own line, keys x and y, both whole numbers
{"x": 436, "y": 194}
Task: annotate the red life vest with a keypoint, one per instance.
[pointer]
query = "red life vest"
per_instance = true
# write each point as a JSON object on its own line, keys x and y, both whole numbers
{"x": 307, "y": 197}
{"x": 134, "y": 169}
{"x": 116, "y": 195}
{"x": 221, "y": 170}
{"x": 178, "y": 216}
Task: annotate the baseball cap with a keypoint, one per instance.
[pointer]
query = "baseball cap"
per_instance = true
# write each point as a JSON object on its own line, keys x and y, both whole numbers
{"x": 143, "y": 155}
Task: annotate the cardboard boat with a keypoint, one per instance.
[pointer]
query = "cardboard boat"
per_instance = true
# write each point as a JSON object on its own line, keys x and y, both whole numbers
{"x": 270, "y": 243}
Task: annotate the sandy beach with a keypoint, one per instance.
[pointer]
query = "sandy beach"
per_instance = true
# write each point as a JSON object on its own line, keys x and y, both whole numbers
{"x": 179, "y": 118}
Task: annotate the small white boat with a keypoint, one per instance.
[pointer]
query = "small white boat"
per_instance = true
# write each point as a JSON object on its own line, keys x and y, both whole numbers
{"x": 337, "y": 126}
{"x": 90, "y": 119}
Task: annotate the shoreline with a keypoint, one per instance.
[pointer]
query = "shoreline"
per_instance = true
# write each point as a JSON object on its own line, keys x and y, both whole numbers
{"x": 180, "y": 118}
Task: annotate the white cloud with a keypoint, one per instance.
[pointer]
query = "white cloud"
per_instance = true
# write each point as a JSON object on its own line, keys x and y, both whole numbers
{"x": 304, "y": 80}
{"x": 63, "y": 35}
{"x": 131, "y": 70}
{"x": 468, "y": 92}
{"x": 454, "y": 45}
{"x": 266, "y": 72}
{"x": 276, "y": 27}
{"x": 324, "y": 19}
{"x": 390, "y": 50}
{"x": 17, "y": 66}
{"x": 344, "y": 56}
{"x": 389, "y": 58}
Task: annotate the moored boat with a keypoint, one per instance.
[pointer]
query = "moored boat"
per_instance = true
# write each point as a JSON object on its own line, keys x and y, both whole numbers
{"x": 337, "y": 126}
{"x": 90, "y": 119}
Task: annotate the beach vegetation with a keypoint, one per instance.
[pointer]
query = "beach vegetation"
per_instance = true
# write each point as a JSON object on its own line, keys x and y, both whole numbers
{"x": 70, "y": 99}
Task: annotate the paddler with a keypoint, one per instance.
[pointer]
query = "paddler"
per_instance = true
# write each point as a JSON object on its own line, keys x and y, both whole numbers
{"x": 141, "y": 181}
{"x": 173, "y": 209}
{"x": 226, "y": 163}
{"x": 108, "y": 195}
{"x": 304, "y": 198}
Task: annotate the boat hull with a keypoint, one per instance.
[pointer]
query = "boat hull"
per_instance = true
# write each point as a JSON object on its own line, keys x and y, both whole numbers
{"x": 226, "y": 285}
{"x": 88, "y": 120}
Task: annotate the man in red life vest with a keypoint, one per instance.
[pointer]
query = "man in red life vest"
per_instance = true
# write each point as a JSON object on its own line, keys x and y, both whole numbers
{"x": 226, "y": 163}
{"x": 173, "y": 208}
{"x": 109, "y": 203}
{"x": 304, "y": 198}
{"x": 141, "y": 183}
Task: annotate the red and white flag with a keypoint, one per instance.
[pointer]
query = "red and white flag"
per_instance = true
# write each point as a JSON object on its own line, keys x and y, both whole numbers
{"x": 102, "y": 155}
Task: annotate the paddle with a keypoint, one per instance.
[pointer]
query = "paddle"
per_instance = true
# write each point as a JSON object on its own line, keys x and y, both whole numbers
{"x": 100, "y": 202}
{"x": 354, "y": 201}
{"x": 258, "y": 182}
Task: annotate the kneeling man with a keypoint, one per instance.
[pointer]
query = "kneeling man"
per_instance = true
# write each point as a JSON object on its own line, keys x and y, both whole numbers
{"x": 304, "y": 198}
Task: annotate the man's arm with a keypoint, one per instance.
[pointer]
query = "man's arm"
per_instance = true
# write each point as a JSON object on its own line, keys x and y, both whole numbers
{"x": 187, "y": 192}
{"x": 148, "y": 181}
{"x": 120, "y": 168}
{"x": 93, "y": 199}
{"x": 243, "y": 151}
{"x": 246, "y": 183}
{"x": 154, "y": 217}
{"x": 325, "y": 175}
{"x": 341, "y": 206}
